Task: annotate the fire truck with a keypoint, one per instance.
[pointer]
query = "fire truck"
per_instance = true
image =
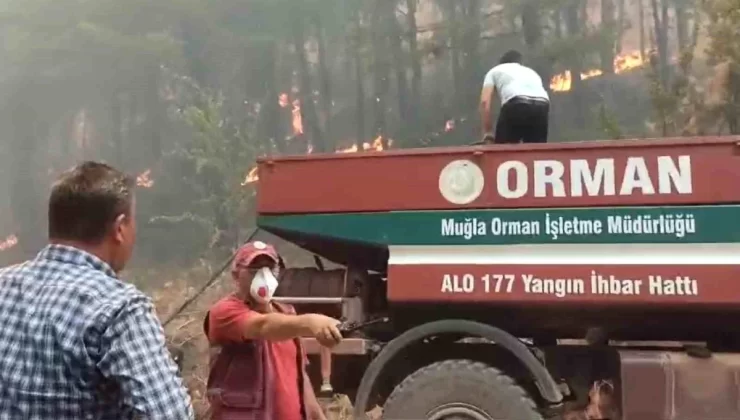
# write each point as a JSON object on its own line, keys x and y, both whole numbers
{"x": 590, "y": 280}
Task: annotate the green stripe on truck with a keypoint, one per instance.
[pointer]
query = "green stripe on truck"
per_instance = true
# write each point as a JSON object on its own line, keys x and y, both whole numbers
{"x": 603, "y": 225}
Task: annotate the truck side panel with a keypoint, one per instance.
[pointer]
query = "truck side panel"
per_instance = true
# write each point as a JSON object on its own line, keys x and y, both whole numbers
{"x": 639, "y": 172}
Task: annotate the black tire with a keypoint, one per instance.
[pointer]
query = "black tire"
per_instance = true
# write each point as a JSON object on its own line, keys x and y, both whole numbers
{"x": 459, "y": 385}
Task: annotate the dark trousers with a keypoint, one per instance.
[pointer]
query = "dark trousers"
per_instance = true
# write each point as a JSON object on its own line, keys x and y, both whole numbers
{"x": 523, "y": 119}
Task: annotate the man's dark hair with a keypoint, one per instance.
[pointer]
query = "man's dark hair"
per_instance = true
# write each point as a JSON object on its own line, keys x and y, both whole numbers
{"x": 511, "y": 56}
{"x": 86, "y": 200}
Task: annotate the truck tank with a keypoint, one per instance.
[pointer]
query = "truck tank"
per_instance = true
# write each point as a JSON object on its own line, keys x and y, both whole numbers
{"x": 639, "y": 237}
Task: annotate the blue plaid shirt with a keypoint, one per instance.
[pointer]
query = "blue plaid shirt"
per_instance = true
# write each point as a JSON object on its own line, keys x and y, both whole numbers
{"x": 77, "y": 343}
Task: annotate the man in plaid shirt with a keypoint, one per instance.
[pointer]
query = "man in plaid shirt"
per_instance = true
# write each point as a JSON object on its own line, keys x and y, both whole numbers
{"x": 76, "y": 342}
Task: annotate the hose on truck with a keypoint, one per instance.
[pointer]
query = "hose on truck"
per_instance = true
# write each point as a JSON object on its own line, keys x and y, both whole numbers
{"x": 546, "y": 385}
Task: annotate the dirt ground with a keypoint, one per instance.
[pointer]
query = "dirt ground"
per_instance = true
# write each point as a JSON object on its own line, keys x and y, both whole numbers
{"x": 340, "y": 408}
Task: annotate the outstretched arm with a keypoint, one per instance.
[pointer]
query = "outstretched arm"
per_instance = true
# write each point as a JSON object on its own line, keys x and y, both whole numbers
{"x": 233, "y": 321}
{"x": 135, "y": 357}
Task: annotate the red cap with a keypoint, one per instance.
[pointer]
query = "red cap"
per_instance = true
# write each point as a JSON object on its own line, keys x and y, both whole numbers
{"x": 251, "y": 250}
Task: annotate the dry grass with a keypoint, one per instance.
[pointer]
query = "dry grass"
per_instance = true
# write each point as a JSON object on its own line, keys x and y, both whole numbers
{"x": 339, "y": 408}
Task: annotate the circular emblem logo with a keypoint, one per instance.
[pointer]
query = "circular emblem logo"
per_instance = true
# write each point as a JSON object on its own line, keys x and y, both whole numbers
{"x": 461, "y": 182}
{"x": 259, "y": 245}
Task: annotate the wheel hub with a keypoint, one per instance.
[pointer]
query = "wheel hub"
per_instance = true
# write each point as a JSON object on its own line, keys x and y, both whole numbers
{"x": 458, "y": 411}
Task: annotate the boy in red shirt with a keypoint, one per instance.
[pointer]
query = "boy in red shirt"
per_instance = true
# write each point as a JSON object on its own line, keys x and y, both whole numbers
{"x": 249, "y": 317}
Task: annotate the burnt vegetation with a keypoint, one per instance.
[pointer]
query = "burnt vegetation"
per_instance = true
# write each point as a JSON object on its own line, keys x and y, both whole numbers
{"x": 187, "y": 94}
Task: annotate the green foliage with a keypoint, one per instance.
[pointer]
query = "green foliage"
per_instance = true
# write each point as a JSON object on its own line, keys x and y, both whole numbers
{"x": 608, "y": 123}
{"x": 219, "y": 154}
{"x": 676, "y": 100}
{"x": 723, "y": 29}
{"x": 178, "y": 239}
{"x": 200, "y": 124}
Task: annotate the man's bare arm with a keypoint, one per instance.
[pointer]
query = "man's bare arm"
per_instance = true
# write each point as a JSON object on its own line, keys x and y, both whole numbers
{"x": 277, "y": 326}
{"x": 486, "y": 97}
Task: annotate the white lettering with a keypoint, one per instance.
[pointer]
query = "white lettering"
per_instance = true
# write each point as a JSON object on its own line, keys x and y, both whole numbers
{"x": 498, "y": 283}
{"x": 672, "y": 224}
{"x": 596, "y": 177}
{"x": 521, "y": 180}
{"x": 500, "y": 227}
{"x": 468, "y": 283}
{"x": 556, "y": 226}
{"x": 611, "y": 285}
{"x": 467, "y": 229}
{"x": 548, "y": 172}
{"x": 678, "y": 286}
{"x": 636, "y": 175}
{"x": 559, "y": 287}
{"x": 678, "y": 177}
{"x": 602, "y": 176}
{"x": 447, "y": 284}
{"x": 453, "y": 283}
{"x": 448, "y": 227}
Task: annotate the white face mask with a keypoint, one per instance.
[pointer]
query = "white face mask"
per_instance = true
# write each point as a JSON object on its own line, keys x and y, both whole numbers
{"x": 263, "y": 285}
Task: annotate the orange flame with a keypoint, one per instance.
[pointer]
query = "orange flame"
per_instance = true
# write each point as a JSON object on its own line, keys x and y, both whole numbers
{"x": 297, "y": 118}
{"x": 376, "y": 145}
{"x": 297, "y": 123}
{"x": 251, "y": 177}
{"x": 143, "y": 180}
{"x": 623, "y": 62}
{"x": 283, "y": 100}
{"x": 8, "y": 243}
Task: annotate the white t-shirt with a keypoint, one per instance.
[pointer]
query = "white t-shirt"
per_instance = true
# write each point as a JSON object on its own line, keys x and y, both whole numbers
{"x": 514, "y": 79}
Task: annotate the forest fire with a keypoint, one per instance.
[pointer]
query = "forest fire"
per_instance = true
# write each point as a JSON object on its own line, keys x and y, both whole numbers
{"x": 297, "y": 118}
{"x": 8, "y": 243}
{"x": 283, "y": 100}
{"x": 251, "y": 177}
{"x": 143, "y": 180}
{"x": 623, "y": 62}
{"x": 375, "y": 145}
{"x": 297, "y": 122}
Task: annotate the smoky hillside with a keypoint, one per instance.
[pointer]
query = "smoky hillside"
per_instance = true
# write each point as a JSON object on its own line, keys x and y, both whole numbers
{"x": 186, "y": 94}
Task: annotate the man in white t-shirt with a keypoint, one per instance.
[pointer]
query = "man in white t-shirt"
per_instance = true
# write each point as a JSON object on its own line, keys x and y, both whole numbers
{"x": 525, "y": 104}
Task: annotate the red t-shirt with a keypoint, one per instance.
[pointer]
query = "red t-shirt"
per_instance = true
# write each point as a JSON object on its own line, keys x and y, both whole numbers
{"x": 226, "y": 324}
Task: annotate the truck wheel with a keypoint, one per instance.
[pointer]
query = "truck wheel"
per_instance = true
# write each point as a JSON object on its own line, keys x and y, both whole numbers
{"x": 459, "y": 390}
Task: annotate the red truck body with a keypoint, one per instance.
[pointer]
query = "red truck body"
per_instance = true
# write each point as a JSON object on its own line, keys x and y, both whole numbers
{"x": 602, "y": 241}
